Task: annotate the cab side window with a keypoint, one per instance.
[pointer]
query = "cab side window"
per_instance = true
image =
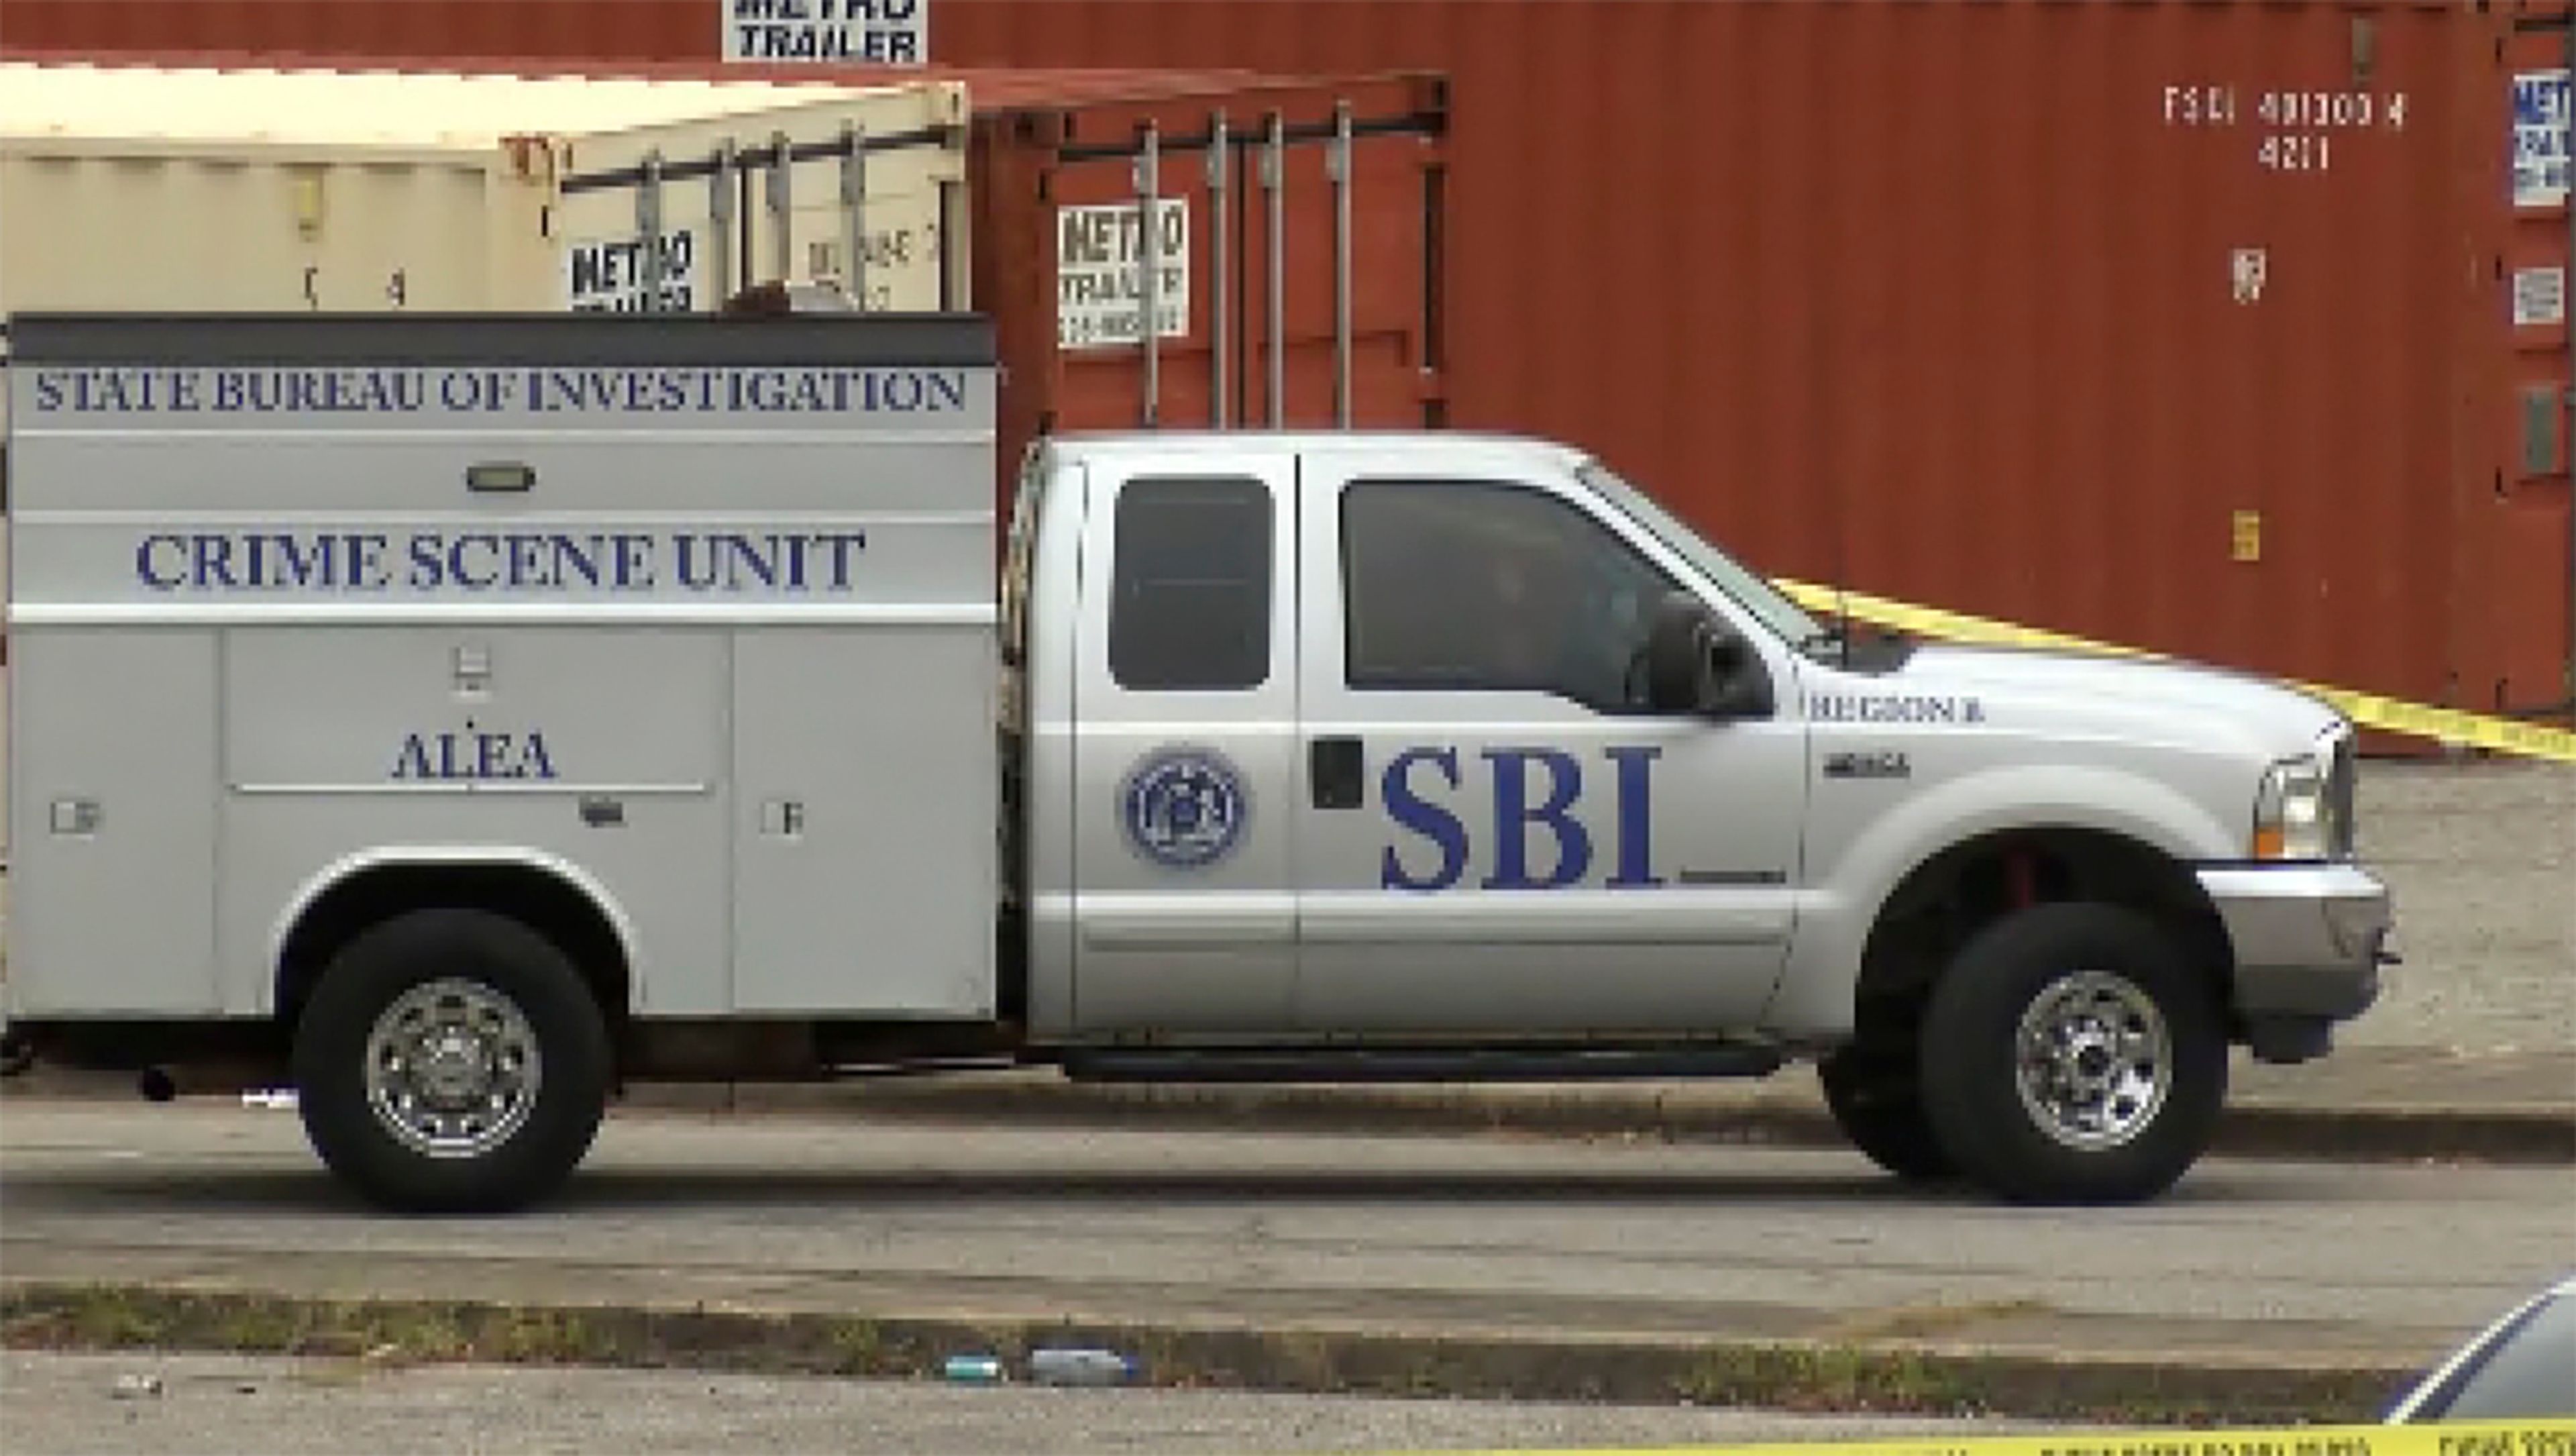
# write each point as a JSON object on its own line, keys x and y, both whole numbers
{"x": 1464, "y": 586}
{"x": 1189, "y": 606}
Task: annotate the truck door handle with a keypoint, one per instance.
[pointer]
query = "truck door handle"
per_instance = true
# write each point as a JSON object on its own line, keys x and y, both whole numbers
{"x": 1338, "y": 770}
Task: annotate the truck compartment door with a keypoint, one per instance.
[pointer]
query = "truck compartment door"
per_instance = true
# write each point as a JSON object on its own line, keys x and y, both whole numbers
{"x": 112, "y": 822}
{"x": 1185, "y": 765}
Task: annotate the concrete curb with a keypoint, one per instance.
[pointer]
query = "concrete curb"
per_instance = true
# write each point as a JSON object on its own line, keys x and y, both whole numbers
{"x": 1917, "y": 1379}
{"x": 2542, "y": 1134}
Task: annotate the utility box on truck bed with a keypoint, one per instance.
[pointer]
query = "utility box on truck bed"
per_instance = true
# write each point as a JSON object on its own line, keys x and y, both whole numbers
{"x": 686, "y": 619}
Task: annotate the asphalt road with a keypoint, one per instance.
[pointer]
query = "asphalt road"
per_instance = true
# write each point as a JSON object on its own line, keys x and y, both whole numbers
{"x": 70, "y": 1405}
{"x": 1486, "y": 1236}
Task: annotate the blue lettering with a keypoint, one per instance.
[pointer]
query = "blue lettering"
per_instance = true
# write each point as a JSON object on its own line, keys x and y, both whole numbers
{"x": 1635, "y": 767}
{"x": 842, "y": 544}
{"x": 411, "y": 761}
{"x": 367, "y": 564}
{"x": 1427, "y": 819}
{"x": 474, "y": 755}
{"x": 302, "y": 568}
{"x": 749, "y": 558}
{"x": 769, "y": 563}
{"x": 527, "y": 561}
{"x": 456, "y": 571}
{"x": 464, "y": 391}
{"x": 161, "y": 580}
{"x": 214, "y": 562}
{"x": 689, "y": 579}
{"x": 765, "y": 390}
{"x": 425, "y": 563}
{"x": 634, "y": 562}
{"x": 492, "y": 756}
{"x": 1512, "y": 815}
{"x": 584, "y": 563}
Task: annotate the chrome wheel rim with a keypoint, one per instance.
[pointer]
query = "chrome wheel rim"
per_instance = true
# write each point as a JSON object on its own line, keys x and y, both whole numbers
{"x": 2093, "y": 1061}
{"x": 453, "y": 1069}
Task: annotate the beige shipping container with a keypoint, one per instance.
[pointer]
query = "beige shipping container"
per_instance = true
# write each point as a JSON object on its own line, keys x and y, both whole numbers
{"x": 877, "y": 176}
{"x": 131, "y": 187}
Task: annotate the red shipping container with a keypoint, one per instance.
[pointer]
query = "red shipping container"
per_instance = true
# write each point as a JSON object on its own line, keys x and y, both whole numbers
{"x": 2183, "y": 324}
{"x": 1312, "y": 219}
{"x": 2516, "y": 550}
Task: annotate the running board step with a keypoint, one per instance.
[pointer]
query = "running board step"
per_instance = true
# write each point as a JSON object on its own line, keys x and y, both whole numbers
{"x": 1419, "y": 1064}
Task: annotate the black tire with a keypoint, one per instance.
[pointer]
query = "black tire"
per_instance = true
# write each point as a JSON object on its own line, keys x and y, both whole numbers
{"x": 1876, "y": 1099}
{"x": 1971, "y": 1060}
{"x": 505, "y": 968}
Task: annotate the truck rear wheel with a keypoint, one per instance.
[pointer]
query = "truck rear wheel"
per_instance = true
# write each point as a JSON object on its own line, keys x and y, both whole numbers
{"x": 1876, "y": 1099}
{"x": 452, "y": 1061}
{"x": 2071, "y": 1055}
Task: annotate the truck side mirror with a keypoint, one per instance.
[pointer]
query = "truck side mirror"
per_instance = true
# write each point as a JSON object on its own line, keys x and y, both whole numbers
{"x": 1697, "y": 664}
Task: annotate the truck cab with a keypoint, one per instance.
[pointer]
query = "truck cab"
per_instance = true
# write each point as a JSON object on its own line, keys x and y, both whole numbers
{"x": 1456, "y": 753}
{"x": 674, "y": 699}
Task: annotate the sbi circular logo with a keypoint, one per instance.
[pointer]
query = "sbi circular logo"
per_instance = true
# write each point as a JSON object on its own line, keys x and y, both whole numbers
{"x": 1184, "y": 808}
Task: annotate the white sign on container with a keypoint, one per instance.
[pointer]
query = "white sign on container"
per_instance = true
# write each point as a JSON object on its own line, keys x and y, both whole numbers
{"x": 864, "y": 32}
{"x": 2539, "y": 138}
{"x": 1100, "y": 273}
{"x": 2539, "y": 297}
{"x": 608, "y": 275}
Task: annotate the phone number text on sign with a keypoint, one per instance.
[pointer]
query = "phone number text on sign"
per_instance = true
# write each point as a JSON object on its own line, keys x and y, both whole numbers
{"x": 2300, "y": 126}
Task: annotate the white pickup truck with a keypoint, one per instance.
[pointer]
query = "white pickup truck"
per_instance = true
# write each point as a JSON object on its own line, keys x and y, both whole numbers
{"x": 461, "y": 718}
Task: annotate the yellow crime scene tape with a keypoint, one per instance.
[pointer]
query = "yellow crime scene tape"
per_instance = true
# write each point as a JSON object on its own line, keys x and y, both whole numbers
{"x": 2444, "y": 1438}
{"x": 2418, "y": 720}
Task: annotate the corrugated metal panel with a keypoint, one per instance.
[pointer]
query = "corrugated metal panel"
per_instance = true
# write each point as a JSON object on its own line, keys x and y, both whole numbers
{"x": 2009, "y": 307}
{"x": 131, "y": 187}
{"x": 1348, "y": 279}
{"x": 2067, "y": 312}
{"x": 87, "y": 104}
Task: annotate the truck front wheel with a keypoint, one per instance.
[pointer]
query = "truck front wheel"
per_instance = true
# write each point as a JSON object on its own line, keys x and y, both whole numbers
{"x": 452, "y": 1061}
{"x": 2071, "y": 1055}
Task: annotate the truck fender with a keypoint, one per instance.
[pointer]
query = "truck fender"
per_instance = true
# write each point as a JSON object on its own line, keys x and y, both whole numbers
{"x": 572, "y": 876}
{"x": 1815, "y": 992}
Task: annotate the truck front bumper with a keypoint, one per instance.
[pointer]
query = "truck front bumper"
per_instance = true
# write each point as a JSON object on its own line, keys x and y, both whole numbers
{"x": 2309, "y": 941}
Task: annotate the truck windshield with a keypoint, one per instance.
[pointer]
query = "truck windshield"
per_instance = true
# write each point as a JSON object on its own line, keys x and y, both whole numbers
{"x": 1749, "y": 590}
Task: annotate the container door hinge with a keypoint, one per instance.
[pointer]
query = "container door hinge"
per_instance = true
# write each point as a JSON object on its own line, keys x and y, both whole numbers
{"x": 2543, "y": 413}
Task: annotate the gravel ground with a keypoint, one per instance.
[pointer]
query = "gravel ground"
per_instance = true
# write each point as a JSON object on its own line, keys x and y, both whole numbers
{"x": 2482, "y": 860}
{"x": 70, "y": 1404}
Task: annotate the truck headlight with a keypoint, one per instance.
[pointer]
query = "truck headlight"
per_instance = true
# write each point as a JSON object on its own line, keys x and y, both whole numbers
{"x": 2295, "y": 812}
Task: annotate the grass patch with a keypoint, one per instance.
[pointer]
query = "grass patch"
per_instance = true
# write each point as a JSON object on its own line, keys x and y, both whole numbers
{"x": 1832, "y": 1376}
